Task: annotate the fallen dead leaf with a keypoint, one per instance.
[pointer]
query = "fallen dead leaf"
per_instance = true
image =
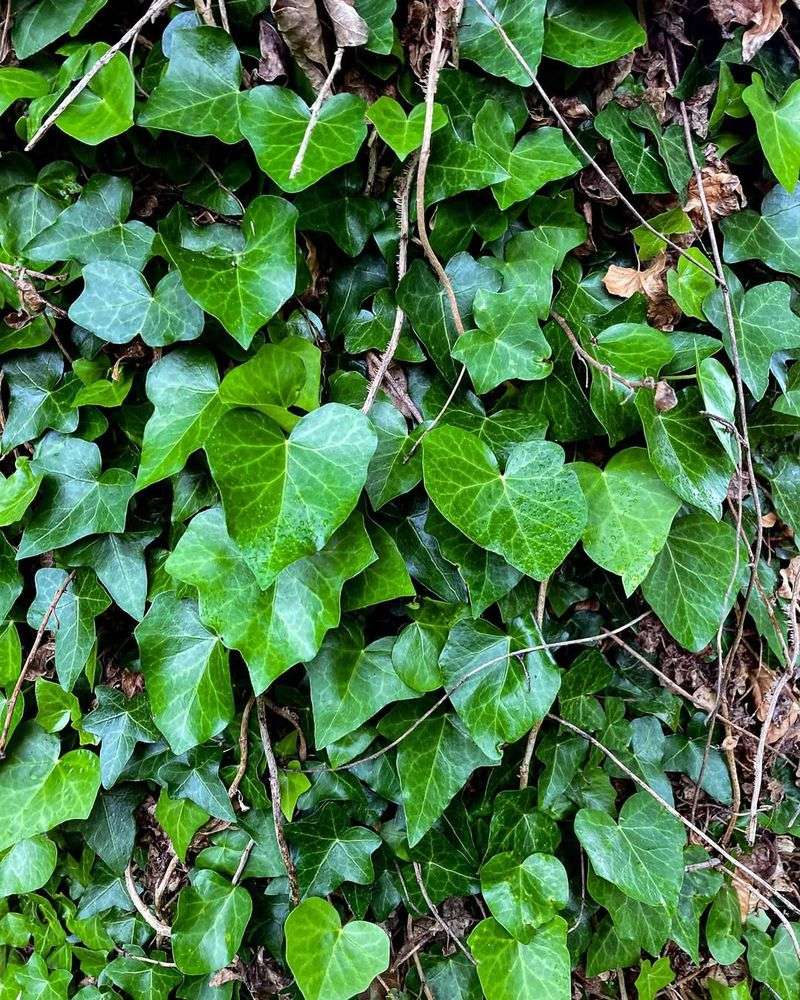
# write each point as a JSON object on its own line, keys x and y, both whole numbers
{"x": 299, "y": 24}
{"x": 764, "y": 18}
{"x": 349, "y": 26}
{"x": 651, "y": 282}
{"x": 723, "y": 192}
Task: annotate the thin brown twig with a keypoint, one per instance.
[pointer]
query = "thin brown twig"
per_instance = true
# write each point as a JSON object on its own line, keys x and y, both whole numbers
{"x": 728, "y": 745}
{"x": 152, "y": 11}
{"x": 423, "y": 979}
{"x": 149, "y": 918}
{"x": 275, "y": 796}
{"x": 164, "y": 881}
{"x": 316, "y": 108}
{"x": 590, "y": 160}
{"x": 16, "y": 271}
{"x": 463, "y": 680}
{"x": 607, "y": 370}
{"x": 294, "y": 721}
{"x": 12, "y": 701}
{"x": 5, "y": 48}
{"x": 708, "y": 840}
{"x": 244, "y": 748}
{"x": 436, "y": 915}
{"x": 248, "y": 850}
{"x": 401, "y": 200}
{"x": 223, "y": 15}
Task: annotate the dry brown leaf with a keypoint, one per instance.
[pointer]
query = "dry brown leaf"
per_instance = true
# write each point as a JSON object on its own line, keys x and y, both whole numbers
{"x": 788, "y": 577}
{"x": 349, "y": 26}
{"x": 664, "y": 397}
{"x": 723, "y": 191}
{"x": 764, "y": 17}
{"x": 662, "y": 311}
{"x": 769, "y": 520}
{"x": 299, "y": 24}
{"x": 272, "y": 64}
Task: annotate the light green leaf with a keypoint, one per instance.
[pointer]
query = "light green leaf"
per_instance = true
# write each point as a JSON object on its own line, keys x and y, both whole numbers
{"x": 116, "y": 305}
{"x": 274, "y": 121}
{"x": 642, "y": 854}
{"x": 199, "y": 93}
{"x": 76, "y": 498}
{"x": 523, "y": 23}
{"x": 186, "y": 673}
{"x": 142, "y": 980}
{"x": 691, "y": 586}
{"x": 331, "y": 962}
{"x": 531, "y": 514}
{"x": 583, "y": 33}
{"x": 778, "y": 127}
{"x": 630, "y": 513}
{"x": 330, "y": 851}
{"x": 724, "y": 927}
{"x": 771, "y": 236}
{"x": 17, "y": 83}
{"x": 180, "y": 819}
{"x": 688, "y": 285}
{"x": 104, "y": 108}
{"x": 209, "y": 924}
{"x": 401, "y": 132}
{"x": 434, "y": 763}
{"x": 274, "y": 628}
{"x": 27, "y": 866}
{"x": 653, "y": 977}
{"x": 285, "y": 497}
{"x": 509, "y": 969}
{"x": 17, "y": 492}
{"x": 40, "y": 790}
{"x": 183, "y": 388}
{"x": 524, "y": 895}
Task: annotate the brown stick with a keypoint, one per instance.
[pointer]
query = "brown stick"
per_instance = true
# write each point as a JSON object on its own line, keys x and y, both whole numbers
{"x": 436, "y": 915}
{"x": 12, "y": 701}
{"x": 153, "y": 10}
{"x": 294, "y": 721}
{"x": 275, "y": 796}
{"x": 607, "y": 370}
{"x": 244, "y": 747}
{"x": 149, "y": 918}
{"x": 316, "y": 107}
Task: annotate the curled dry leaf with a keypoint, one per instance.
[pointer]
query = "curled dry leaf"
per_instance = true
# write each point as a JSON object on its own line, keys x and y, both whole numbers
{"x": 723, "y": 191}
{"x": 272, "y": 63}
{"x": 349, "y": 26}
{"x": 664, "y": 397}
{"x": 764, "y": 18}
{"x": 662, "y": 311}
{"x": 299, "y": 24}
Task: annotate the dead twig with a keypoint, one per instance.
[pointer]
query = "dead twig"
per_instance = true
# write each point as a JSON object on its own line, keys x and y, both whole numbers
{"x": 149, "y": 918}
{"x": 631, "y": 384}
{"x": 294, "y": 721}
{"x": 248, "y": 850}
{"x": 437, "y": 916}
{"x": 244, "y": 747}
{"x": 316, "y": 107}
{"x": 12, "y": 701}
{"x": 275, "y": 796}
{"x": 152, "y": 11}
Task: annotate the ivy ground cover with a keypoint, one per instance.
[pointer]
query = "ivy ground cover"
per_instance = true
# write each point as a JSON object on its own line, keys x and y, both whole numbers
{"x": 399, "y": 497}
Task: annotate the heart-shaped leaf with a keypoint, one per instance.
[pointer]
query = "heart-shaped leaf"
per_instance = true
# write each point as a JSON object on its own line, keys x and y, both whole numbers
{"x": 524, "y": 895}
{"x": 403, "y": 133}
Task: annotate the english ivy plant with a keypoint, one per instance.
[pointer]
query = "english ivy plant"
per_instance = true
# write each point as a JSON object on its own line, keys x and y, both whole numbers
{"x": 399, "y": 497}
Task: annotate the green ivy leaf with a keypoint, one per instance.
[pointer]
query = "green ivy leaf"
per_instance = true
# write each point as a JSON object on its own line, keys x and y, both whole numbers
{"x": 284, "y": 497}
{"x": 643, "y": 171}
{"x": 581, "y": 33}
{"x": 630, "y": 513}
{"x": 186, "y": 672}
{"x": 771, "y": 236}
{"x": 509, "y": 968}
{"x": 653, "y": 977}
{"x": 480, "y": 41}
{"x": 331, "y": 962}
{"x": 642, "y": 853}
{"x": 209, "y": 924}
{"x": 777, "y": 125}
{"x": 330, "y": 851}
{"x": 274, "y": 121}
{"x": 691, "y": 586}
{"x": 18, "y": 491}
{"x": 104, "y": 108}
{"x": 400, "y": 131}
{"x": 41, "y": 397}
{"x": 724, "y": 927}
{"x": 531, "y": 514}
{"x": 119, "y": 723}
{"x": 199, "y": 93}
{"x": 524, "y": 895}
{"x": 27, "y": 866}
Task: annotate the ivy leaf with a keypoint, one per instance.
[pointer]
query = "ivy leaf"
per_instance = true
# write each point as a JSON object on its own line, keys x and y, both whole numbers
{"x": 691, "y": 586}
{"x": 330, "y": 851}
{"x": 433, "y": 763}
{"x": 73, "y": 620}
{"x": 653, "y": 977}
{"x": 142, "y": 980}
{"x": 41, "y": 397}
{"x": 40, "y": 790}
{"x": 199, "y": 93}
{"x": 630, "y": 513}
{"x": 390, "y": 474}
{"x": 500, "y": 703}
{"x": 116, "y": 305}
{"x": 777, "y": 125}
{"x": 771, "y": 236}
{"x": 424, "y": 301}
{"x": 331, "y": 962}
{"x": 508, "y": 344}
{"x": 531, "y": 514}
{"x": 581, "y": 33}
{"x": 278, "y": 378}
{"x": 509, "y": 968}
{"x": 480, "y": 41}
{"x": 183, "y": 388}
{"x": 685, "y": 452}
{"x": 209, "y": 924}
{"x": 400, "y": 131}
{"x": 643, "y": 171}
{"x": 764, "y": 324}
{"x": 339, "y": 208}
{"x": 774, "y": 962}
{"x": 724, "y": 927}
{"x": 104, "y": 108}
{"x": 284, "y": 497}
{"x": 350, "y": 682}
{"x": 642, "y": 853}
{"x": 540, "y": 156}
{"x": 195, "y": 776}
{"x": 180, "y": 819}
{"x": 457, "y": 166}
{"x": 275, "y": 628}
{"x": 17, "y": 83}
{"x": 274, "y": 121}
{"x": 119, "y": 723}
{"x": 42, "y": 23}
{"x": 27, "y": 866}
{"x": 76, "y": 498}
{"x": 524, "y": 895}
{"x": 18, "y": 491}
{"x": 186, "y": 673}
{"x": 245, "y": 282}
{"x": 92, "y": 229}
{"x": 118, "y": 561}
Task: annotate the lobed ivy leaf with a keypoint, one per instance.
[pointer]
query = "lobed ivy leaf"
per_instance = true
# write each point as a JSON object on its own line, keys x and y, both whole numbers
{"x": 510, "y": 968}
{"x": 581, "y": 33}
{"x": 210, "y": 921}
